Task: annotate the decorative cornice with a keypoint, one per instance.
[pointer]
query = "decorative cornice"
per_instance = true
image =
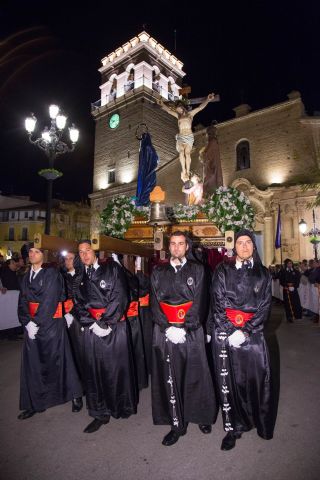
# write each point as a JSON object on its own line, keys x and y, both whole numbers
{"x": 143, "y": 39}
{"x": 257, "y": 113}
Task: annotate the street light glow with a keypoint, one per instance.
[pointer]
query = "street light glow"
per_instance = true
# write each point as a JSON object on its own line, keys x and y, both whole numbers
{"x": 53, "y": 111}
{"x": 52, "y": 144}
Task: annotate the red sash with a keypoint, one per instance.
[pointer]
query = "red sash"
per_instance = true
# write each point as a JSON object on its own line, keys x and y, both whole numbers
{"x": 133, "y": 310}
{"x": 238, "y": 317}
{"x": 97, "y": 313}
{"x": 33, "y": 307}
{"x": 68, "y": 305}
{"x": 144, "y": 301}
{"x": 175, "y": 313}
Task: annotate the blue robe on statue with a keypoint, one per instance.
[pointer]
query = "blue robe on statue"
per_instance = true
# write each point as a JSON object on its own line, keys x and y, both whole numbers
{"x": 148, "y": 161}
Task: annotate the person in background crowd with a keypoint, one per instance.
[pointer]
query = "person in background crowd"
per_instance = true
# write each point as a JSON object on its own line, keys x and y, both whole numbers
{"x": 290, "y": 279}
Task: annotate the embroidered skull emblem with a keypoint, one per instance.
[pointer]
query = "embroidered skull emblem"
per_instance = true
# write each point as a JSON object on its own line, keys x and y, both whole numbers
{"x": 103, "y": 284}
{"x": 190, "y": 281}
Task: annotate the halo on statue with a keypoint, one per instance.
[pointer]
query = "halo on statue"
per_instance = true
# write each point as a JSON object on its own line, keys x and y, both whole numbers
{"x": 140, "y": 130}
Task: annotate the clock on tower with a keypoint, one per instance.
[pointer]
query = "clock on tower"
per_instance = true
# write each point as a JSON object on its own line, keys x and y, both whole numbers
{"x": 114, "y": 120}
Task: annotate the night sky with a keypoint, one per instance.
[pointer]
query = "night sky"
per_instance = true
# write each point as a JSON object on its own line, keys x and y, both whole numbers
{"x": 252, "y": 52}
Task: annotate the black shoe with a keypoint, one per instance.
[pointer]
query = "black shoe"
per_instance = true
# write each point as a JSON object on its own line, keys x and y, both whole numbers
{"x": 77, "y": 404}
{"x": 173, "y": 436}
{"x": 28, "y": 413}
{"x": 229, "y": 441}
{"x": 95, "y": 425}
{"x": 205, "y": 428}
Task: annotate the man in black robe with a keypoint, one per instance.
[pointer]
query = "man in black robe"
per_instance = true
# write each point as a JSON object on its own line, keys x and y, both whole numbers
{"x": 74, "y": 327}
{"x": 182, "y": 389}
{"x": 145, "y": 311}
{"x": 132, "y": 314}
{"x": 100, "y": 302}
{"x": 48, "y": 373}
{"x": 289, "y": 279}
{"x": 241, "y": 302}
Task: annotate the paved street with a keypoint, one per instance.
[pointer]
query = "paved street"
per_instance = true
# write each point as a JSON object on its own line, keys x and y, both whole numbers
{"x": 52, "y": 446}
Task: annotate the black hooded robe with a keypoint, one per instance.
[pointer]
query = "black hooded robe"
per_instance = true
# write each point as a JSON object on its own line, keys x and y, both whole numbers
{"x": 242, "y": 374}
{"x": 108, "y": 367}
{"x": 136, "y": 331}
{"x": 182, "y": 389}
{"x": 145, "y": 316}
{"x": 290, "y": 278}
{"x": 74, "y": 330}
{"x": 48, "y": 373}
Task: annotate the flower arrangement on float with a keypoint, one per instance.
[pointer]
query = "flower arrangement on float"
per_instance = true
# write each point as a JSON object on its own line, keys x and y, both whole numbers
{"x": 229, "y": 209}
{"x": 119, "y": 214}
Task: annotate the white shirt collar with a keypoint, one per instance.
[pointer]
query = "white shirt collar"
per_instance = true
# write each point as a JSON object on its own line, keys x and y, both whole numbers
{"x": 95, "y": 265}
{"x": 71, "y": 272}
{"x": 239, "y": 263}
{"x": 35, "y": 271}
{"x": 183, "y": 262}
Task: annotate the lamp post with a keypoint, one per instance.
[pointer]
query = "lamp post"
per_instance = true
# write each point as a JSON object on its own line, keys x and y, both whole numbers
{"x": 314, "y": 233}
{"x": 53, "y": 146}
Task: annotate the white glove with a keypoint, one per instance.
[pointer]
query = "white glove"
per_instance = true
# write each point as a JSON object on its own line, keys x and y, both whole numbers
{"x": 115, "y": 258}
{"x": 208, "y": 338}
{"x": 236, "y": 339}
{"x": 32, "y": 330}
{"x": 69, "y": 319}
{"x": 291, "y": 289}
{"x": 100, "y": 332}
{"x": 138, "y": 263}
{"x": 176, "y": 335}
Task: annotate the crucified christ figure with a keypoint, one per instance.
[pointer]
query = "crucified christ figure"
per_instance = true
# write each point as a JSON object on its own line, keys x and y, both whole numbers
{"x": 185, "y": 136}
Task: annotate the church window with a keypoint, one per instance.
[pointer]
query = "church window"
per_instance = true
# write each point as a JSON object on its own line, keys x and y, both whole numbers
{"x": 243, "y": 155}
{"x": 111, "y": 176}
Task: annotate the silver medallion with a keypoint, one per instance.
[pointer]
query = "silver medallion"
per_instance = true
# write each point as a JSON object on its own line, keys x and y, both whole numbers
{"x": 190, "y": 281}
{"x": 103, "y": 284}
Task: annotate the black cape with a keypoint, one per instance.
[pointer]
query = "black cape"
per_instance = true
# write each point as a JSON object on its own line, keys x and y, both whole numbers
{"x": 145, "y": 317}
{"x": 108, "y": 367}
{"x": 74, "y": 331}
{"x": 242, "y": 374}
{"x": 182, "y": 389}
{"x": 48, "y": 374}
{"x": 137, "y": 333}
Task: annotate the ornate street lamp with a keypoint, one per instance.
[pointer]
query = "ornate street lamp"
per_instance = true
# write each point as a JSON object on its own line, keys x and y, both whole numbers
{"x": 50, "y": 142}
{"x": 313, "y": 234}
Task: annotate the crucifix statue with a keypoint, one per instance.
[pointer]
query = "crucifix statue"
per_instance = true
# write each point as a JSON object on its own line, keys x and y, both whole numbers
{"x": 185, "y": 137}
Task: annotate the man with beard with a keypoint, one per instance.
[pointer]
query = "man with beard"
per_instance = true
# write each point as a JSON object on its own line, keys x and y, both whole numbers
{"x": 48, "y": 374}
{"x": 182, "y": 389}
{"x": 100, "y": 302}
{"x": 241, "y": 303}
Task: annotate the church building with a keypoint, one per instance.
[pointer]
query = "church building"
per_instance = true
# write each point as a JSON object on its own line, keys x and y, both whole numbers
{"x": 267, "y": 153}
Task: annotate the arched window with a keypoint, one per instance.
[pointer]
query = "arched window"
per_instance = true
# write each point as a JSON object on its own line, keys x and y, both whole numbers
{"x": 130, "y": 81}
{"x": 243, "y": 155}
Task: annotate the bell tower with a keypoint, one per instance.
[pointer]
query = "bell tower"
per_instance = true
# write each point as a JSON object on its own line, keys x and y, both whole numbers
{"x": 134, "y": 77}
